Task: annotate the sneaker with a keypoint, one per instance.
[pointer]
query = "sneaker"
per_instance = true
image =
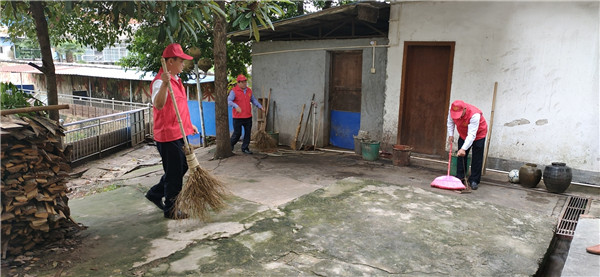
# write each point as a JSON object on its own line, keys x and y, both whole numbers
{"x": 247, "y": 151}
{"x": 474, "y": 185}
{"x": 177, "y": 215}
{"x": 158, "y": 202}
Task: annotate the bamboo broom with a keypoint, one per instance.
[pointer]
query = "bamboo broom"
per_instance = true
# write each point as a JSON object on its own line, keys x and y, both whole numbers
{"x": 201, "y": 191}
{"x": 263, "y": 140}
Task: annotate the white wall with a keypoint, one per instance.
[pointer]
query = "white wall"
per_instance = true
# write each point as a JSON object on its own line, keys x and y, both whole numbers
{"x": 544, "y": 56}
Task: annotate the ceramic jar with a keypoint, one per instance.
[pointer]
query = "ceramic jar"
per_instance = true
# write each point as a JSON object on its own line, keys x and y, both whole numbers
{"x": 557, "y": 177}
{"x": 401, "y": 155}
{"x": 529, "y": 175}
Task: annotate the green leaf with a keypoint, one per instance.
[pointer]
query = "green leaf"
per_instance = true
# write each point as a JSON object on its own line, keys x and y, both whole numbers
{"x": 190, "y": 30}
{"x": 261, "y": 20}
{"x": 244, "y": 22}
{"x": 170, "y": 36}
{"x": 255, "y": 30}
{"x": 173, "y": 17}
{"x": 236, "y": 22}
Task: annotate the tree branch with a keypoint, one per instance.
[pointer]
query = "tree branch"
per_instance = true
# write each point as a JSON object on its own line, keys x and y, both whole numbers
{"x": 40, "y": 68}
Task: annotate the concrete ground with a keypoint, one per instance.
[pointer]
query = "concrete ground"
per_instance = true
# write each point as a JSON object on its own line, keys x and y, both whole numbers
{"x": 310, "y": 213}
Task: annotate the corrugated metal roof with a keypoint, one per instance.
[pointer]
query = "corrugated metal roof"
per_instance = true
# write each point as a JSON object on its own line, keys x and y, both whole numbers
{"x": 94, "y": 71}
{"x": 371, "y": 17}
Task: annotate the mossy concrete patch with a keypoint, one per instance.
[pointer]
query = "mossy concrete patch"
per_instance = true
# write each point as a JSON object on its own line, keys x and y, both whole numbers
{"x": 126, "y": 232}
{"x": 358, "y": 227}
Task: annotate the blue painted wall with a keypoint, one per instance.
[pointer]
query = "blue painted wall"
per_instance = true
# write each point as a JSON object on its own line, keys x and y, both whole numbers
{"x": 208, "y": 112}
{"x": 29, "y": 88}
{"x": 344, "y": 126}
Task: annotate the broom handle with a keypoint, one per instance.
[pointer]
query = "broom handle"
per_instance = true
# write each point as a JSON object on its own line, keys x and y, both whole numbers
{"x": 449, "y": 159}
{"x": 187, "y": 146}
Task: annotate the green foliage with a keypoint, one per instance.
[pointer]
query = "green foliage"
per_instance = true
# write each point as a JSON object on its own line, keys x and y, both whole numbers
{"x": 26, "y": 48}
{"x": 100, "y": 23}
{"x": 251, "y": 14}
{"x": 92, "y": 23}
{"x": 70, "y": 46}
{"x": 111, "y": 187}
{"x": 13, "y": 97}
{"x": 145, "y": 50}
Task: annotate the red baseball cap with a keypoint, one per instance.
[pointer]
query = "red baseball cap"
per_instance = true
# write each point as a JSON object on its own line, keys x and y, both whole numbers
{"x": 457, "y": 109}
{"x": 241, "y": 77}
{"x": 174, "y": 50}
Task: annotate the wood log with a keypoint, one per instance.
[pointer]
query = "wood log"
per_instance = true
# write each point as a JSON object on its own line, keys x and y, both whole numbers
{"x": 41, "y": 211}
{"x": 34, "y": 109}
{"x": 32, "y": 194}
{"x": 16, "y": 168}
{"x": 29, "y": 185}
{"x": 33, "y": 170}
{"x": 7, "y": 216}
{"x": 295, "y": 140}
{"x": 21, "y": 198}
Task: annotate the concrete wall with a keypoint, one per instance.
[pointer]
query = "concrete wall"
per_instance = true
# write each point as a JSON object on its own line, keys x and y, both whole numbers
{"x": 294, "y": 70}
{"x": 544, "y": 56}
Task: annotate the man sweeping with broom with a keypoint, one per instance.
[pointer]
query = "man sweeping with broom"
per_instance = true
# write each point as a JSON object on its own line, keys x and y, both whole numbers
{"x": 169, "y": 139}
{"x": 239, "y": 99}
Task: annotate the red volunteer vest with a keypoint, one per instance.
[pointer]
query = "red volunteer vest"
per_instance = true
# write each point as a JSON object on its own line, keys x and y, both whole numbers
{"x": 243, "y": 101}
{"x": 462, "y": 124}
{"x": 166, "y": 125}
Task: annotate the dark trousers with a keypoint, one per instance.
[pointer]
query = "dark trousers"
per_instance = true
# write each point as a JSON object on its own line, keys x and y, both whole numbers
{"x": 238, "y": 123}
{"x": 175, "y": 166}
{"x": 476, "y": 160}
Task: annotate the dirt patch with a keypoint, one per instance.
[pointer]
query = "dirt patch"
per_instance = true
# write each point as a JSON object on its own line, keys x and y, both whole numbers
{"x": 52, "y": 257}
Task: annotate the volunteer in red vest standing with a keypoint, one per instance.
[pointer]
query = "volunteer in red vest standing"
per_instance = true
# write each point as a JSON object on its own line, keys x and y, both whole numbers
{"x": 472, "y": 130}
{"x": 167, "y": 132}
{"x": 239, "y": 99}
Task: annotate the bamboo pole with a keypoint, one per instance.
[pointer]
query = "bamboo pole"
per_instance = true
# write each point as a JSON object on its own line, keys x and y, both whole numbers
{"x": 487, "y": 143}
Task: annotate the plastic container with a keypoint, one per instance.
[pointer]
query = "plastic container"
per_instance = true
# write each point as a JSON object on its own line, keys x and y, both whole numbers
{"x": 357, "y": 146}
{"x": 455, "y": 162}
{"x": 275, "y": 136}
{"x": 370, "y": 150}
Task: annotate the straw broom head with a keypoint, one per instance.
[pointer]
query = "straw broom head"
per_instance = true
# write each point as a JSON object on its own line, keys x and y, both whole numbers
{"x": 264, "y": 141}
{"x": 201, "y": 192}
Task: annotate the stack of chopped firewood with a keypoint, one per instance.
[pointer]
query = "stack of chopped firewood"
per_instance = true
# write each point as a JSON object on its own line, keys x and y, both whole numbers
{"x": 34, "y": 192}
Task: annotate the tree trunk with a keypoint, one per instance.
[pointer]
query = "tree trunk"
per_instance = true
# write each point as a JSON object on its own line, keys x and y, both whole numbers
{"x": 300, "y": 6}
{"x": 69, "y": 56}
{"x": 41, "y": 29}
{"x": 223, "y": 149}
{"x": 327, "y": 5}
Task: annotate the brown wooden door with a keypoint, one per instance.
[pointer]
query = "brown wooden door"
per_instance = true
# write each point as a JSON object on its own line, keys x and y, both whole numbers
{"x": 426, "y": 79}
{"x": 346, "y": 81}
{"x": 345, "y": 94}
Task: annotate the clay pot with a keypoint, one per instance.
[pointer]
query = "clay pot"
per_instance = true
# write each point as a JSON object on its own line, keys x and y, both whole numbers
{"x": 557, "y": 177}
{"x": 529, "y": 175}
{"x": 401, "y": 155}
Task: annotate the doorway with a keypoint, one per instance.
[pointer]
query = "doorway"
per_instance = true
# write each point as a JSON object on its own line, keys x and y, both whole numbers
{"x": 345, "y": 92}
{"x": 424, "y": 96}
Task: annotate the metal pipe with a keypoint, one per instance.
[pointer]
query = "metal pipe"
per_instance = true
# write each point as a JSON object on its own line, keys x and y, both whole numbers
{"x": 199, "y": 92}
{"x": 318, "y": 49}
{"x": 130, "y": 92}
{"x": 313, "y": 125}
